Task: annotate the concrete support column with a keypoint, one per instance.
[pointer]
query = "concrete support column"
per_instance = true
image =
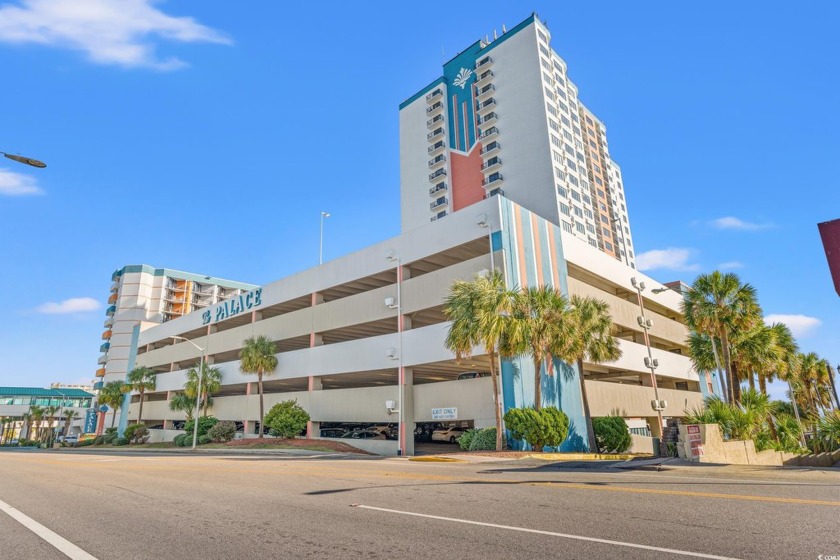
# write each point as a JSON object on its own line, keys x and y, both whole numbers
{"x": 256, "y": 316}
{"x": 407, "y": 407}
{"x": 313, "y": 427}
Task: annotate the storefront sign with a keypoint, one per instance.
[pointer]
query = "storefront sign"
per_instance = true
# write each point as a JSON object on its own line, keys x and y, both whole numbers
{"x": 233, "y": 306}
{"x": 444, "y": 414}
{"x": 90, "y": 421}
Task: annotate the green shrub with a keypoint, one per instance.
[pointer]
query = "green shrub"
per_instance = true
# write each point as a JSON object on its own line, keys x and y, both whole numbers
{"x": 465, "y": 439}
{"x": 483, "y": 440}
{"x": 204, "y": 440}
{"x": 183, "y": 440}
{"x": 222, "y": 432}
{"x": 828, "y": 433}
{"x": 204, "y": 424}
{"x": 99, "y": 440}
{"x": 546, "y": 427}
{"x": 110, "y": 436}
{"x": 84, "y": 443}
{"x": 611, "y": 434}
{"x": 286, "y": 419}
{"x": 136, "y": 433}
{"x": 121, "y": 441}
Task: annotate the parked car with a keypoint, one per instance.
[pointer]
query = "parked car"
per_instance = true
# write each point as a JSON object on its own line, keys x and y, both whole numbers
{"x": 364, "y": 434}
{"x": 333, "y": 432}
{"x": 71, "y": 440}
{"x": 450, "y": 434}
{"x": 390, "y": 431}
{"x": 473, "y": 374}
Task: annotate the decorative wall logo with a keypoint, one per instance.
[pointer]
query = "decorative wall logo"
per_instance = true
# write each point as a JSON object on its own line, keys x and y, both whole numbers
{"x": 234, "y": 306}
{"x": 462, "y": 78}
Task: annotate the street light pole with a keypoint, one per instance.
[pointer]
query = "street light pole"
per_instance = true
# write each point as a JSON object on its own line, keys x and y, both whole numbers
{"x": 321, "y": 245}
{"x": 198, "y": 392}
{"x": 650, "y": 362}
{"x": 400, "y": 370}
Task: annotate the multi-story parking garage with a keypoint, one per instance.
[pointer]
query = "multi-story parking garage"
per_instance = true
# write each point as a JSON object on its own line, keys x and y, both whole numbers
{"x": 366, "y": 332}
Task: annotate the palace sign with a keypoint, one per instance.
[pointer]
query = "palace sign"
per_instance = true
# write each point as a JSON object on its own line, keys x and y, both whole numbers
{"x": 233, "y": 306}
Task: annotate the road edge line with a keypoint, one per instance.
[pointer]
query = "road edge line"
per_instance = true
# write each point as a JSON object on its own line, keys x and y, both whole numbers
{"x": 54, "y": 539}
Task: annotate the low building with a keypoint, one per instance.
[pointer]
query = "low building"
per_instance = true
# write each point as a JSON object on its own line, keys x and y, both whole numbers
{"x": 17, "y": 404}
{"x": 360, "y": 339}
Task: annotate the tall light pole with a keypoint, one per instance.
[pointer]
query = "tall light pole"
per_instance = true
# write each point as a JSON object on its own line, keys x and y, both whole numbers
{"x": 321, "y": 245}
{"x": 198, "y": 392}
{"x": 400, "y": 370}
{"x": 650, "y": 362}
{"x": 25, "y": 160}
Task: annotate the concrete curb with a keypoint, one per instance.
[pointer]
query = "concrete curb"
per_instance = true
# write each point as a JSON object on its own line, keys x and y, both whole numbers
{"x": 433, "y": 459}
{"x": 581, "y": 456}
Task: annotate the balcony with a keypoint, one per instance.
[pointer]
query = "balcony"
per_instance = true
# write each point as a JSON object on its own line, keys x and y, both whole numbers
{"x": 98, "y": 386}
{"x": 484, "y": 77}
{"x": 482, "y": 108}
{"x": 489, "y": 134}
{"x": 104, "y": 346}
{"x": 484, "y": 63}
{"x": 492, "y": 179}
{"x": 437, "y": 162}
{"x": 485, "y": 92}
{"x": 437, "y": 174}
{"x": 437, "y": 148}
{"x": 439, "y": 203}
{"x": 435, "y": 109}
{"x": 436, "y": 133}
{"x": 100, "y": 372}
{"x": 111, "y": 310}
{"x": 490, "y": 148}
{"x": 438, "y": 216}
{"x": 102, "y": 359}
{"x": 106, "y": 335}
{"x": 115, "y": 277}
{"x": 113, "y": 298}
{"x": 109, "y": 322}
{"x": 436, "y": 94}
{"x": 115, "y": 286}
{"x": 487, "y": 119}
{"x": 494, "y": 192}
{"x": 439, "y": 188}
{"x": 435, "y": 121}
{"x": 491, "y": 164}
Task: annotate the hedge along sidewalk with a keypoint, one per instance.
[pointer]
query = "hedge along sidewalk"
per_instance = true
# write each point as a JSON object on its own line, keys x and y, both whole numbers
{"x": 583, "y": 456}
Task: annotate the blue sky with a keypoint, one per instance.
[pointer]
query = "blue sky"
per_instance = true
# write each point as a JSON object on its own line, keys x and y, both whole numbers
{"x": 204, "y": 138}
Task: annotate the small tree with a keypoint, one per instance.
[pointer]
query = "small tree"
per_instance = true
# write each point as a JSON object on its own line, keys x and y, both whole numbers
{"x": 112, "y": 396}
{"x": 181, "y": 402}
{"x": 612, "y": 434}
{"x": 204, "y": 425}
{"x": 140, "y": 379}
{"x": 286, "y": 419}
{"x": 69, "y": 416}
{"x": 211, "y": 383}
{"x": 547, "y": 426}
{"x": 222, "y": 432}
{"x": 258, "y": 356}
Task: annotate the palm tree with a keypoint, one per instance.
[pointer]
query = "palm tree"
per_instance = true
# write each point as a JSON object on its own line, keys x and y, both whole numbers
{"x": 480, "y": 314}
{"x": 542, "y": 326}
{"x": 181, "y": 402}
{"x": 595, "y": 343}
{"x": 69, "y": 416}
{"x": 211, "y": 383}
{"x": 36, "y": 415}
{"x": 719, "y": 305}
{"x": 26, "y": 424}
{"x": 4, "y": 422}
{"x": 787, "y": 349}
{"x": 112, "y": 395}
{"x": 258, "y": 356}
{"x": 140, "y": 379}
{"x": 49, "y": 416}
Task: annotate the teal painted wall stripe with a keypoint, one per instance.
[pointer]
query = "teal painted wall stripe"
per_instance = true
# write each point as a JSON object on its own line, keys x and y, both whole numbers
{"x": 132, "y": 359}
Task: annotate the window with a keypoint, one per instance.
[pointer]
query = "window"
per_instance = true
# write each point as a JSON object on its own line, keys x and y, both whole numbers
{"x": 569, "y": 149}
{"x": 590, "y": 228}
{"x": 562, "y": 192}
{"x": 554, "y": 126}
{"x": 604, "y": 219}
{"x": 547, "y": 78}
{"x": 557, "y": 157}
{"x": 573, "y": 180}
{"x": 567, "y": 227}
{"x": 576, "y": 130}
{"x": 593, "y": 242}
{"x": 576, "y": 195}
{"x": 560, "y": 92}
{"x": 575, "y": 117}
{"x": 559, "y": 173}
{"x": 588, "y": 120}
{"x": 599, "y": 182}
{"x": 558, "y": 67}
{"x": 571, "y": 165}
{"x": 568, "y": 136}
{"x": 564, "y": 209}
{"x": 601, "y": 193}
{"x": 564, "y": 120}
{"x": 563, "y": 106}
{"x": 542, "y": 36}
{"x": 579, "y": 227}
{"x": 594, "y": 146}
{"x": 549, "y": 94}
{"x": 608, "y": 245}
{"x": 605, "y": 230}
{"x": 602, "y": 207}
{"x": 588, "y": 213}
{"x": 584, "y": 185}
{"x": 597, "y": 169}
{"x": 556, "y": 141}
{"x": 587, "y": 200}
{"x": 545, "y": 64}
{"x": 544, "y": 51}
{"x": 551, "y": 109}
{"x": 578, "y": 212}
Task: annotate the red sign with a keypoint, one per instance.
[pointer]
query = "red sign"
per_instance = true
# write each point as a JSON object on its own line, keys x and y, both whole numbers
{"x": 693, "y": 429}
{"x": 830, "y": 233}
{"x": 696, "y": 449}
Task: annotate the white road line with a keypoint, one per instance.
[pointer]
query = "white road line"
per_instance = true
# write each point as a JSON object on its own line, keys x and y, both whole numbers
{"x": 551, "y": 533}
{"x": 63, "y": 545}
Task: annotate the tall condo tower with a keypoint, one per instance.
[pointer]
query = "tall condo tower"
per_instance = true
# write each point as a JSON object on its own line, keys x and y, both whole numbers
{"x": 505, "y": 119}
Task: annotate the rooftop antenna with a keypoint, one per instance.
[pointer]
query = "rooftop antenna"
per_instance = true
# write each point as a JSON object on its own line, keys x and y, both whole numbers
{"x": 486, "y": 39}
{"x": 495, "y": 36}
{"x": 443, "y": 54}
{"x": 504, "y": 29}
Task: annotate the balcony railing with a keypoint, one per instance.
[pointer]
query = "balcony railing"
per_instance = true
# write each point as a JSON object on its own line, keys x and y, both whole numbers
{"x": 106, "y": 335}
{"x": 98, "y": 385}
{"x": 494, "y": 192}
{"x": 440, "y": 187}
{"x": 490, "y": 148}
{"x": 485, "y": 62}
{"x": 436, "y": 174}
{"x": 434, "y": 134}
{"x": 483, "y": 107}
{"x": 438, "y": 146}
{"x": 434, "y": 95}
{"x": 442, "y": 201}
{"x": 492, "y": 179}
{"x": 102, "y": 359}
{"x": 489, "y": 118}
{"x": 437, "y": 162}
{"x": 433, "y": 122}
{"x": 111, "y": 310}
{"x": 484, "y": 77}
{"x": 104, "y": 347}
{"x": 100, "y": 372}
{"x": 434, "y": 109}
{"x": 490, "y": 133}
{"x": 484, "y": 92}
{"x": 491, "y": 163}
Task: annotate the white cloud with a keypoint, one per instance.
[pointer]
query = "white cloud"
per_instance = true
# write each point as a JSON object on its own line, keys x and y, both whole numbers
{"x": 801, "y": 326}
{"x": 669, "y": 259}
{"x": 110, "y": 32}
{"x": 72, "y": 305}
{"x": 731, "y": 222}
{"x": 15, "y": 184}
{"x": 729, "y": 265}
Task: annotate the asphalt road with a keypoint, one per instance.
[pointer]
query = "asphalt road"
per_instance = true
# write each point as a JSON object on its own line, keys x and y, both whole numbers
{"x": 154, "y": 506}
